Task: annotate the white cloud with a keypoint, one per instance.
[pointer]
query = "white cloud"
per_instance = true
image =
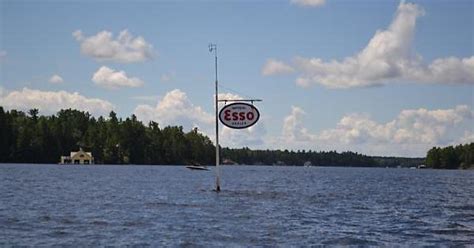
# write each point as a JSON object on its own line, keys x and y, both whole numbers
{"x": 174, "y": 109}
{"x": 227, "y": 96}
{"x": 177, "y": 109}
{"x": 411, "y": 133}
{"x": 249, "y": 137}
{"x": 293, "y": 129}
{"x": 56, "y": 79}
{"x": 111, "y": 79}
{"x": 388, "y": 57}
{"x": 446, "y": 70}
{"x": 308, "y": 3}
{"x": 124, "y": 49}
{"x": 467, "y": 138}
{"x": 50, "y": 102}
{"x": 274, "y": 67}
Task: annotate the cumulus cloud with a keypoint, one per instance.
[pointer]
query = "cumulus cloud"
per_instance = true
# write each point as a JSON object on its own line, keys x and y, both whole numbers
{"x": 111, "y": 79}
{"x": 227, "y": 96}
{"x": 50, "y": 102}
{"x": 177, "y": 109}
{"x": 56, "y": 79}
{"x": 467, "y": 138}
{"x": 293, "y": 128}
{"x": 411, "y": 133}
{"x": 308, "y": 3}
{"x": 275, "y": 67}
{"x": 252, "y": 136}
{"x": 174, "y": 109}
{"x": 125, "y": 48}
{"x": 389, "y": 56}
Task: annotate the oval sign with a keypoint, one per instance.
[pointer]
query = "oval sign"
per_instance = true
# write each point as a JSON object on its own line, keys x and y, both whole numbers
{"x": 239, "y": 115}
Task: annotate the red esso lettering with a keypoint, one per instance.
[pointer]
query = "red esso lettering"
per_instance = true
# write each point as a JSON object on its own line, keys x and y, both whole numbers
{"x": 238, "y": 116}
{"x": 250, "y": 116}
{"x": 227, "y": 115}
{"x": 235, "y": 116}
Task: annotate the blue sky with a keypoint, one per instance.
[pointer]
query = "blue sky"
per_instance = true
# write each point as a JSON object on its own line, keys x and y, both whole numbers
{"x": 377, "y": 77}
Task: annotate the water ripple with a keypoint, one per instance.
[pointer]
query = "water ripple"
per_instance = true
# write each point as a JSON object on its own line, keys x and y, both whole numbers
{"x": 144, "y": 206}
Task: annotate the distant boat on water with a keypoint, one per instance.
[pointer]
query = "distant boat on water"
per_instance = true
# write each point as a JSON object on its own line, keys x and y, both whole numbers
{"x": 197, "y": 167}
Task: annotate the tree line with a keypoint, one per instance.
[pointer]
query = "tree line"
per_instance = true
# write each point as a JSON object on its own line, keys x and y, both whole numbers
{"x": 451, "y": 157}
{"x": 31, "y": 138}
{"x": 300, "y": 157}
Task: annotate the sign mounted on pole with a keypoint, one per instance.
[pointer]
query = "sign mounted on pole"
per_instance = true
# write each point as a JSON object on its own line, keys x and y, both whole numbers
{"x": 239, "y": 115}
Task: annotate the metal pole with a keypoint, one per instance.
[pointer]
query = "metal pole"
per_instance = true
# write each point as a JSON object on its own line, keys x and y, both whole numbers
{"x": 213, "y": 47}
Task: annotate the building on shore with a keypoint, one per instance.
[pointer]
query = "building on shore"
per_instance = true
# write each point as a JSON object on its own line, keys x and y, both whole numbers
{"x": 79, "y": 157}
{"x": 307, "y": 164}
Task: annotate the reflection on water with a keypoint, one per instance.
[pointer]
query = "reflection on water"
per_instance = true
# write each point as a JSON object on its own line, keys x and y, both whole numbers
{"x": 43, "y": 205}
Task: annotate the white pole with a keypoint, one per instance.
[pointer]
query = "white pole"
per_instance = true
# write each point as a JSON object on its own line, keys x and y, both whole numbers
{"x": 213, "y": 47}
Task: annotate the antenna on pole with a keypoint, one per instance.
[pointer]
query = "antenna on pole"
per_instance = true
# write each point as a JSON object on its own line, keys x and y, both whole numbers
{"x": 213, "y": 48}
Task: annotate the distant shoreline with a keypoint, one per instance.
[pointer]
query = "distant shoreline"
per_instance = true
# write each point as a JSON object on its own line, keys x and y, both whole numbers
{"x": 235, "y": 165}
{"x": 35, "y": 139}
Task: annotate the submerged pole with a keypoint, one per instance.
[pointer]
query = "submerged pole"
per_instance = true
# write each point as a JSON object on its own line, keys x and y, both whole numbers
{"x": 213, "y": 47}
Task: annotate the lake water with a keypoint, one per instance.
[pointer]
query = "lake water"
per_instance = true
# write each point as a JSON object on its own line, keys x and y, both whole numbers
{"x": 44, "y": 205}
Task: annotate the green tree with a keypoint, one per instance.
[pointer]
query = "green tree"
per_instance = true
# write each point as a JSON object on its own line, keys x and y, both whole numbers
{"x": 154, "y": 149}
{"x": 433, "y": 158}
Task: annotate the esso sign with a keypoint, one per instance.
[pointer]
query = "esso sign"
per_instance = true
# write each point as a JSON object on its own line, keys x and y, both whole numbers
{"x": 239, "y": 115}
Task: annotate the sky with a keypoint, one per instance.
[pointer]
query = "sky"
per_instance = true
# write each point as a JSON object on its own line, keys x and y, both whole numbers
{"x": 389, "y": 78}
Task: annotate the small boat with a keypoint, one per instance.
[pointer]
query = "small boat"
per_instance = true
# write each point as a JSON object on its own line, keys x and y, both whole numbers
{"x": 197, "y": 167}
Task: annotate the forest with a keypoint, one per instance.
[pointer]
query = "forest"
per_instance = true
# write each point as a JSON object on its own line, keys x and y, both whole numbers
{"x": 29, "y": 138}
{"x": 33, "y": 138}
{"x": 451, "y": 157}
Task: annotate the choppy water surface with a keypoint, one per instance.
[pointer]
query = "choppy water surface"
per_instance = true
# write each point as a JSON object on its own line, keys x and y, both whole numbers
{"x": 42, "y": 205}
